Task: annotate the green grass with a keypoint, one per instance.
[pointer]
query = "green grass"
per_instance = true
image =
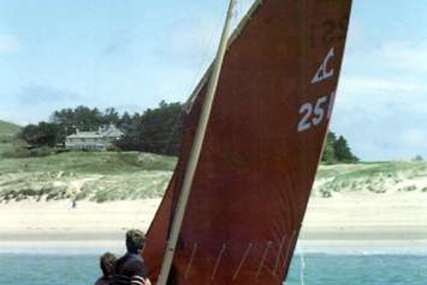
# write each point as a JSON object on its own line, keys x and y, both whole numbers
{"x": 89, "y": 163}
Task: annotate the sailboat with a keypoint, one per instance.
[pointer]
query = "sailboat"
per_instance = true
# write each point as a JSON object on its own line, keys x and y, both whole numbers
{"x": 255, "y": 128}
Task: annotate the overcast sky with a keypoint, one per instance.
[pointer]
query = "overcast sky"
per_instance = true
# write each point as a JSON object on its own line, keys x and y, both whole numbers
{"x": 132, "y": 54}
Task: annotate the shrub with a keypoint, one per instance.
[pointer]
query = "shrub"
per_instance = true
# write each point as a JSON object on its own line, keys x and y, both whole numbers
{"x": 408, "y": 188}
{"x": 41, "y": 151}
{"x": 325, "y": 193}
{"x": 23, "y": 152}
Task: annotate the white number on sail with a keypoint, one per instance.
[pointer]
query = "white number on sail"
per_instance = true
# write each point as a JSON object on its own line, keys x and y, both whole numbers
{"x": 319, "y": 112}
{"x": 314, "y": 116}
{"x": 323, "y": 73}
{"x": 305, "y": 110}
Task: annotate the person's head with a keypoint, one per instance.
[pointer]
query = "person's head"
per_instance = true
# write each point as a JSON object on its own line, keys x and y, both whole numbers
{"x": 135, "y": 240}
{"x": 107, "y": 262}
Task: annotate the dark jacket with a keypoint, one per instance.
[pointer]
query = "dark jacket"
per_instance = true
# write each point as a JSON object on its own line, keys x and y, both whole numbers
{"x": 103, "y": 281}
{"x": 130, "y": 270}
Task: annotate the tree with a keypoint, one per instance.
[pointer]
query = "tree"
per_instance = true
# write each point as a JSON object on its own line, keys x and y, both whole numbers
{"x": 43, "y": 134}
{"x": 161, "y": 128}
{"x": 329, "y": 156}
{"x": 343, "y": 152}
{"x": 418, "y": 157}
{"x": 125, "y": 122}
{"x": 132, "y": 140}
{"x": 337, "y": 150}
{"x": 111, "y": 116}
{"x": 158, "y": 130}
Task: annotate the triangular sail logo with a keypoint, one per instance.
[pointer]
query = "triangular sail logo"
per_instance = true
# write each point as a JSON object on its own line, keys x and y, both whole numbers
{"x": 323, "y": 73}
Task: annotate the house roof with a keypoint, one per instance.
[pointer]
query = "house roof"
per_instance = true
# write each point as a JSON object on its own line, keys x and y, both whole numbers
{"x": 85, "y": 135}
{"x": 112, "y": 131}
{"x": 109, "y": 131}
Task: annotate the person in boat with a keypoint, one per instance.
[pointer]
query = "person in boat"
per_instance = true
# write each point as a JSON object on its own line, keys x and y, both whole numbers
{"x": 131, "y": 269}
{"x": 107, "y": 263}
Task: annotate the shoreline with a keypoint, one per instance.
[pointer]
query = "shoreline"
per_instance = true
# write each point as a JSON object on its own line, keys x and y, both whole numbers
{"x": 304, "y": 247}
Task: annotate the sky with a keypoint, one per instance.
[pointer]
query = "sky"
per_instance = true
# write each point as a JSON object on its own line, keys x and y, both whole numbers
{"x": 131, "y": 54}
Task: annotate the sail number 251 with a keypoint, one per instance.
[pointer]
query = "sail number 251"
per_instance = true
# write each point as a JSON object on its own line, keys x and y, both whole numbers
{"x": 313, "y": 114}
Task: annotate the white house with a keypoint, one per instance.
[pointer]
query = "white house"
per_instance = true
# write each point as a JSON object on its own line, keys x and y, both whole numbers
{"x": 101, "y": 139}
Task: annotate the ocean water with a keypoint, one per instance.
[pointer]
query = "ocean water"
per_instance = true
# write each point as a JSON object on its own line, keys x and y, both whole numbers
{"x": 319, "y": 269}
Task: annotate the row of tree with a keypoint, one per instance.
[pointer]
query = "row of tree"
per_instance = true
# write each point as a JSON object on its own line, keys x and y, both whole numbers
{"x": 157, "y": 130}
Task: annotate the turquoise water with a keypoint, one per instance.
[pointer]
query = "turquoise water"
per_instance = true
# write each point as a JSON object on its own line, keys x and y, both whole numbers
{"x": 320, "y": 269}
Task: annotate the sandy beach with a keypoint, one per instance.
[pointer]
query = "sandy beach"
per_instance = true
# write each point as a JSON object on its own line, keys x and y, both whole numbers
{"x": 396, "y": 221}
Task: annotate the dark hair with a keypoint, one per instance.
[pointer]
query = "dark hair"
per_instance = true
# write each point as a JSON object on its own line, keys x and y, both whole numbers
{"x": 135, "y": 240}
{"x": 107, "y": 262}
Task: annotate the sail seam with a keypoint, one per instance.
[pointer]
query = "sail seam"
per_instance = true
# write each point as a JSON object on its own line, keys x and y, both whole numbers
{"x": 193, "y": 254}
{"x": 245, "y": 256}
{"x": 279, "y": 254}
{"x": 218, "y": 261}
{"x": 264, "y": 257}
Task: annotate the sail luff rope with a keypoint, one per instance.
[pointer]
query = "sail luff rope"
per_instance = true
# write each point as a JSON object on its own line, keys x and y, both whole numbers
{"x": 235, "y": 34}
{"x": 208, "y": 44}
{"x": 195, "y": 152}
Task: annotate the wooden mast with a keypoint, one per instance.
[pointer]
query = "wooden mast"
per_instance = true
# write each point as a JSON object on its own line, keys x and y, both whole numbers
{"x": 195, "y": 152}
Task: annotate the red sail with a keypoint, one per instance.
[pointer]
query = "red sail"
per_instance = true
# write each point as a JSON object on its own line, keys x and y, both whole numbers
{"x": 262, "y": 147}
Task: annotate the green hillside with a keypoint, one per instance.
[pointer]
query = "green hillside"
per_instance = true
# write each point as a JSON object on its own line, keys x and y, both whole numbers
{"x": 7, "y": 133}
{"x": 8, "y": 129}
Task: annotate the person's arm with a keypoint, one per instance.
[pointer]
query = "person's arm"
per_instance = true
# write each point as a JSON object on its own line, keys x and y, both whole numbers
{"x": 138, "y": 280}
{"x": 139, "y": 273}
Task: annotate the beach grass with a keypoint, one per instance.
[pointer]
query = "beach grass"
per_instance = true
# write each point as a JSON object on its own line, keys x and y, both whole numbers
{"x": 377, "y": 177}
{"x": 97, "y": 176}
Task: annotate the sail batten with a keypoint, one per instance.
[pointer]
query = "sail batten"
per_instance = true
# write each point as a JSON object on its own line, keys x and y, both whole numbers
{"x": 262, "y": 146}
